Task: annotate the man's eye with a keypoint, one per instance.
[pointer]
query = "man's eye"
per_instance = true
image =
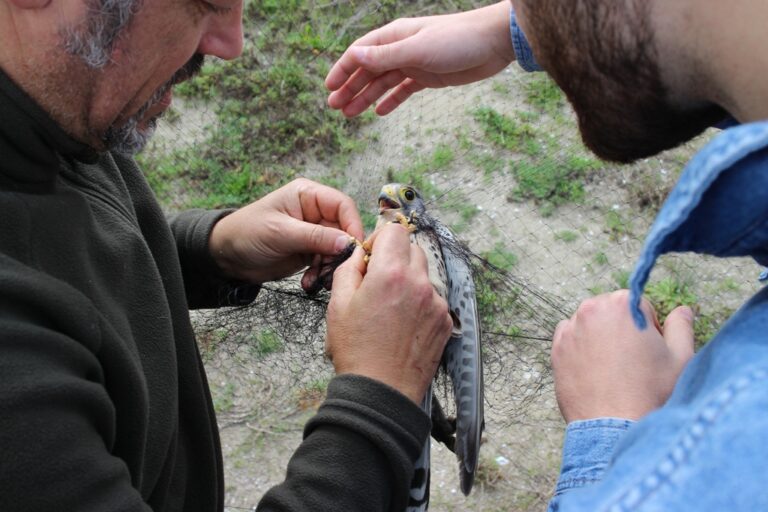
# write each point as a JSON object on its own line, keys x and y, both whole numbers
{"x": 217, "y": 9}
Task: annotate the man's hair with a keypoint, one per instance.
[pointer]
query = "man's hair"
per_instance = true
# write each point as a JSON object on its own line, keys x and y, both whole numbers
{"x": 95, "y": 39}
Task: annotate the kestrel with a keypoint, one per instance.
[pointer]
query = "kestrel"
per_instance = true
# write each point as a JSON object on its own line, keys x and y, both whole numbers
{"x": 451, "y": 276}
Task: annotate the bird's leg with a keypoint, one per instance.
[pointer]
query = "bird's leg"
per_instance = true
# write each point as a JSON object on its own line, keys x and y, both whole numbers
{"x": 406, "y": 222}
{"x": 443, "y": 428}
{"x": 365, "y": 245}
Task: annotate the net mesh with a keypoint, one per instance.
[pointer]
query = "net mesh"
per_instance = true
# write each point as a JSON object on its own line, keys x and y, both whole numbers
{"x": 499, "y": 161}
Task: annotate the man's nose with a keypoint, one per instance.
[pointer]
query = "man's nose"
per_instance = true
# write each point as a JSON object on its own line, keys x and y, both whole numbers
{"x": 223, "y": 36}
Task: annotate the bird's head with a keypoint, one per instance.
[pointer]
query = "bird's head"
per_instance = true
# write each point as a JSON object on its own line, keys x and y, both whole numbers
{"x": 396, "y": 196}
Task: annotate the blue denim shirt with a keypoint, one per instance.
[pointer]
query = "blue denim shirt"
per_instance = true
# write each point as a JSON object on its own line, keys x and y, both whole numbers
{"x": 706, "y": 449}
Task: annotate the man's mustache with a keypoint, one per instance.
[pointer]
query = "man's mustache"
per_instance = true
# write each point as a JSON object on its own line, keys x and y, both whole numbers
{"x": 188, "y": 70}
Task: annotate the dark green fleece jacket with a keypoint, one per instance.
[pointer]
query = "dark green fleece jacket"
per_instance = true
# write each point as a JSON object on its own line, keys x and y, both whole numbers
{"x": 104, "y": 404}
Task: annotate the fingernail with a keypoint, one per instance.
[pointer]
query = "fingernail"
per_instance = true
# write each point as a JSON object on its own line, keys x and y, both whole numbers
{"x": 687, "y": 313}
{"x": 341, "y": 243}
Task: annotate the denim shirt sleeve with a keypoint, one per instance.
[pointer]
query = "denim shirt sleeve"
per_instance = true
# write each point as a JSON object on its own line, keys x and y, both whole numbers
{"x": 587, "y": 450}
{"x": 523, "y": 51}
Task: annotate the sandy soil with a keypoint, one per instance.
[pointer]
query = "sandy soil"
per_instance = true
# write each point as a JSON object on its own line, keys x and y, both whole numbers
{"x": 264, "y": 402}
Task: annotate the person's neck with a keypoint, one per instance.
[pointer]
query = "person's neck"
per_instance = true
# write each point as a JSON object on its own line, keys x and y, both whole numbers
{"x": 715, "y": 52}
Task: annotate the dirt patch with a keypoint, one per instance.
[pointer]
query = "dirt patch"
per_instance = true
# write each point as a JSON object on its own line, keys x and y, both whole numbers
{"x": 571, "y": 251}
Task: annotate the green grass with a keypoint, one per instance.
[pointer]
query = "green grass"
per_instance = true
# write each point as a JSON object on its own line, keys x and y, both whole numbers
{"x": 566, "y": 236}
{"x": 505, "y": 132}
{"x": 671, "y": 292}
{"x": 621, "y": 278}
{"x": 600, "y": 259}
{"x": 442, "y": 157}
{"x": 497, "y": 302}
{"x": 490, "y": 164}
{"x": 416, "y": 174}
{"x": 267, "y": 342}
{"x": 617, "y": 226}
{"x": 543, "y": 94}
{"x": 270, "y": 104}
{"x": 500, "y": 257}
{"x": 552, "y": 182}
{"x": 223, "y": 397}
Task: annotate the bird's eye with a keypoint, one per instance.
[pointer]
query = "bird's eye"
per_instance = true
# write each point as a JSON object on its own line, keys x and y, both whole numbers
{"x": 410, "y": 195}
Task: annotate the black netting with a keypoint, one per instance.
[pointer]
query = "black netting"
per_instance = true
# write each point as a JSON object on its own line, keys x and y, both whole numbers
{"x": 499, "y": 161}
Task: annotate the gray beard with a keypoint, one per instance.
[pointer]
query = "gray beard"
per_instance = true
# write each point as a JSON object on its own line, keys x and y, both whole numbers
{"x": 128, "y": 138}
{"x": 93, "y": 44}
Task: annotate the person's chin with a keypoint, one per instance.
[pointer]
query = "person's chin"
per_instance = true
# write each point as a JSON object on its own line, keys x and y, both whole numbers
{"x": 146, "y": 126}
{"x": 629, "y": 135}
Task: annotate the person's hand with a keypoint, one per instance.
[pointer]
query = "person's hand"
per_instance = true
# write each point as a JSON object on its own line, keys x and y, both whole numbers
{"x": 605, "y": 367}
{"x": 280, "y": 233}
{"x": 386, "y": 321}
{"x": 411, "y": 54}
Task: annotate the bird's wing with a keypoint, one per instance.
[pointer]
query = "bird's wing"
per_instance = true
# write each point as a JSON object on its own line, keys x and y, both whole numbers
{"x": 418, "y": 499}
{"x": 463, "y": 359}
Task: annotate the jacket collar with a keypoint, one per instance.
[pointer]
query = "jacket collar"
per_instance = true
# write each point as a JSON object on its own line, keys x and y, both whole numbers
{"x": 31, "y": 143}
{"x": 718, "y": 207}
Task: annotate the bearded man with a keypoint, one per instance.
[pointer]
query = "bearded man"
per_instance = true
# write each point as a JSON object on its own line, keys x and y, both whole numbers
{"x": 650, "y": 426}
{"x": 104, "y": 403}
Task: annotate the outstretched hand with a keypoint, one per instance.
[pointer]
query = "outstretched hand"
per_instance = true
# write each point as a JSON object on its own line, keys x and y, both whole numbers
{"x": 411, "y": 54}
{"x": 605, "y": 367}
{"x": 284, "y": 231}
{"x": 385, "y": 320}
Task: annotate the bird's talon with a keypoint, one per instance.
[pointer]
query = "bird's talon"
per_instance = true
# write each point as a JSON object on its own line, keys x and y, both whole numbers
{"x": 405, "y": 222}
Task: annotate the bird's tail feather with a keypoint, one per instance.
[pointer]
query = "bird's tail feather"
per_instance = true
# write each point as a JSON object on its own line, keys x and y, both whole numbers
{"x": 418, "y": 497}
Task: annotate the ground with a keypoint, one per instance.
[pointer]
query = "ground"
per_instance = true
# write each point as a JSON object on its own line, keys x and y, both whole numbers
{"x": 501, "y": 162}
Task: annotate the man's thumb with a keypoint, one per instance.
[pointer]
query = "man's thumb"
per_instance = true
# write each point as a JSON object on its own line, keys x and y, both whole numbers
{"x": 317, "y": 239}
{"x": 678, "y": 332}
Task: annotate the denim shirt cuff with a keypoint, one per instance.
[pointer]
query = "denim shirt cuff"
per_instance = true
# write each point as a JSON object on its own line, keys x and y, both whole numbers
{"x": 587, "y": 450}
{"x": 523, "y": 51}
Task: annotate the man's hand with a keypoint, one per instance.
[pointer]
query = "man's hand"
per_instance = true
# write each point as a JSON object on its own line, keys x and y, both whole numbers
{"x": 385, "y": 321}
{"x": 605, "y": 367}
{"x": 279, "y": 234}
{"x": 411, "y": 54}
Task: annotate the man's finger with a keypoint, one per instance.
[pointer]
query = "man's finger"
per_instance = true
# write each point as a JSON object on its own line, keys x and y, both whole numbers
{"x": 323, "y": 204}
{"x": 350, "y": 61}
{"x": 398, "y": 96}
{"x": 307, "y": 238}
{"x": 397, "y": 55}
{"x": 390, "y": 243}
{"x": 356, "y": 83}
{"x": 375, "y": 90}
{"x": 678, "y": 333}
{"x": 348, "y": 276}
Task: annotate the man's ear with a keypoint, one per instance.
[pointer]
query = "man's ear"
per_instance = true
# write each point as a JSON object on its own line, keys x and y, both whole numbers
{"x": 31, "y": 4}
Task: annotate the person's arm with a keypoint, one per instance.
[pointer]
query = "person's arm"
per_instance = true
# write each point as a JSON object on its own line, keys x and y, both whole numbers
{"x": 608, "y": 375}
{"x": 204, "y": 283}
{"x": 226, "y": 254}
{"x": 358, "y": 452}
{"x": 411, "y": 54}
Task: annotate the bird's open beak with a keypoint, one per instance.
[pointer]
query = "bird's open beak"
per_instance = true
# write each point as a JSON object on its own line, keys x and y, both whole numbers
{"x": 387, "y": 203}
